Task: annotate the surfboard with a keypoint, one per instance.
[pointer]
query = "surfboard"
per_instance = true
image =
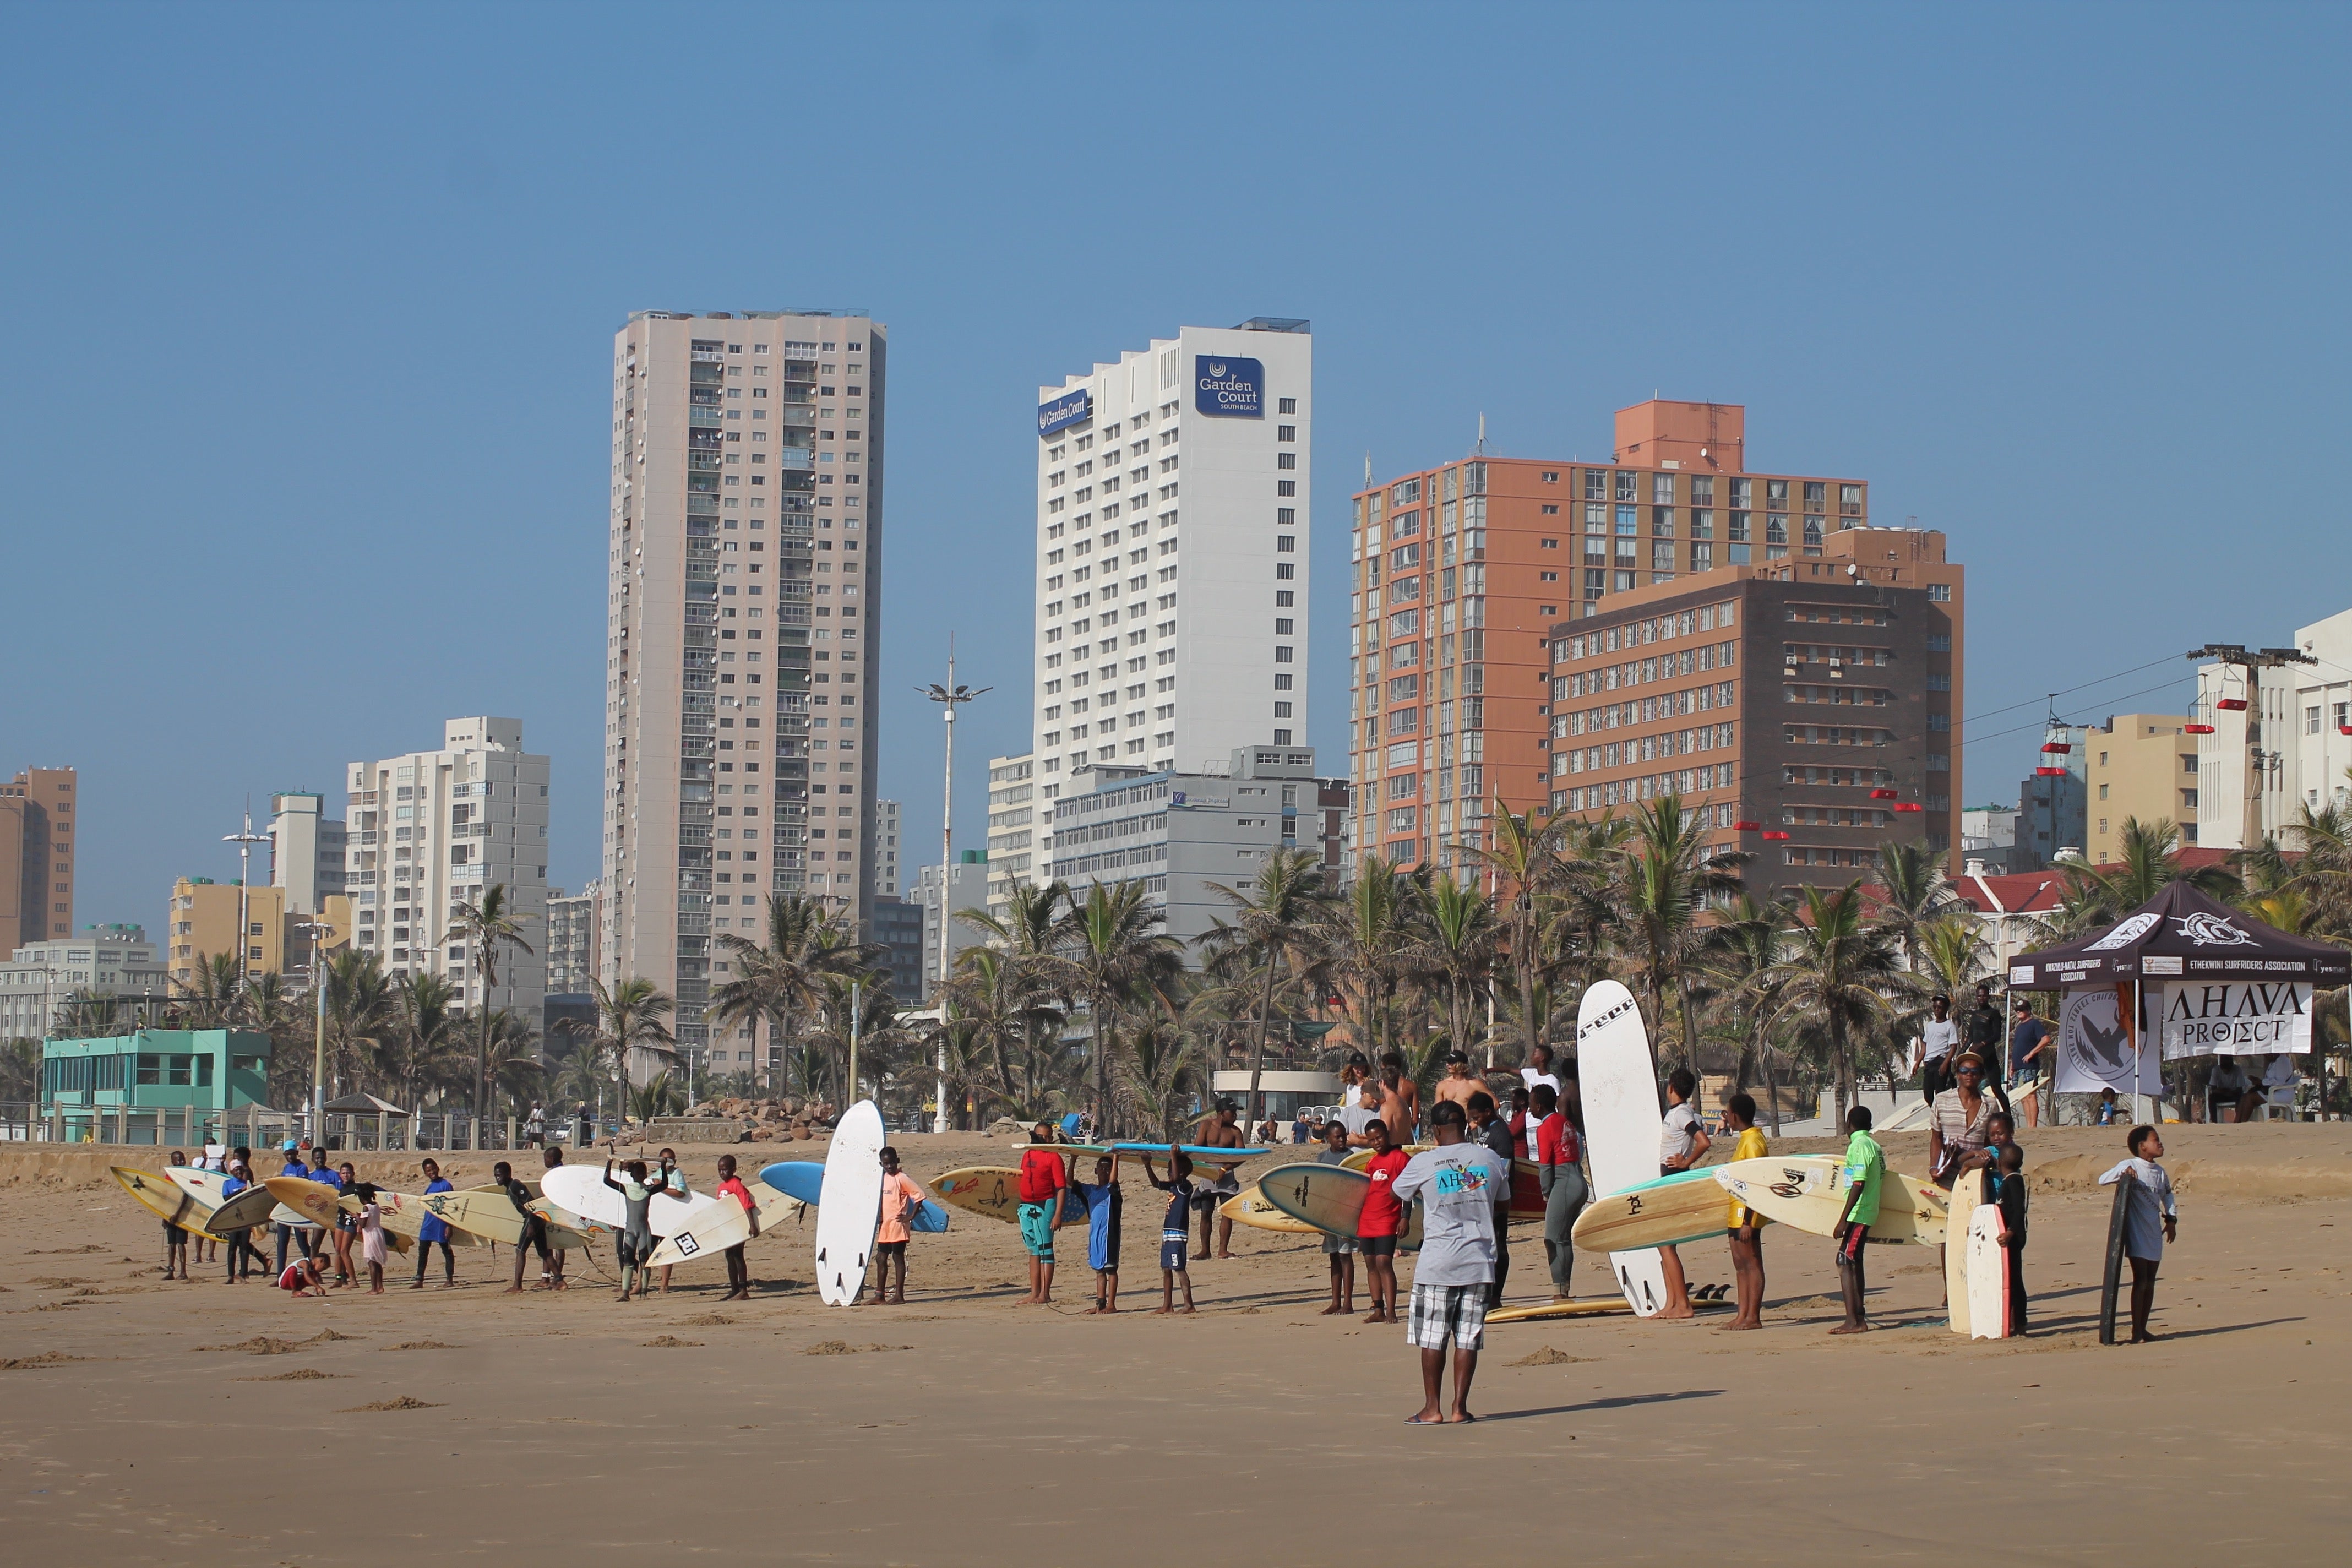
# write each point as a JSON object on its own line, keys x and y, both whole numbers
{"x": 993, "y": 1192}
{"x": 1967, "y": 1195}
{"x": 317, "y": 1203}
{"x": 1330, "y": 1199}
{"x": 248, "y": 1208}
{"x": 1988, "y": 1276}
{"x": 203, "y": 1186}
{"x": 1546, "y": 1312}
{"x": 2111, "y": 1279}
{"x": 1255, "y": 1209}
{"x": 727, "y": 1223}
{"x": 1620, "y": 1089}
{"x": 845, "y": 1227}
{"x": 491, "y": 1216}
{"x": 165, "y": 1198}
{"x": 404, "y": 1216}
{"x": 581, "y": 1189}
{"x": 805, "y": 1180}
{"x": 1808, "y": 1193}
{"x": 1197, "y": 1151}
{"x": 1684, "y": 1207}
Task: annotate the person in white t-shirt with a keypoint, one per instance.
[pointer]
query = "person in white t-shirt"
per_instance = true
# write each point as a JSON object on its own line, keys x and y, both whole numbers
{"x": 1540, "y": 1069}
{"x": 1456, "y": 1183}
{"x": 1682, "y": 1143}
{"x": 1938, "y": 1036}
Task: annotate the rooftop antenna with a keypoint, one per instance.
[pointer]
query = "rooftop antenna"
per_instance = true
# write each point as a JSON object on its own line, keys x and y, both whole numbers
{"x": 1367, "y": 468}
{"x": 1482, "y": 435}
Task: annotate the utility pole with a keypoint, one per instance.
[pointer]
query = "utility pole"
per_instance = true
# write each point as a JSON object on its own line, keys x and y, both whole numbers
{"x": 318, "y": 932}
{"x": 950, "y": 697}
{"x": 245, "y": 841}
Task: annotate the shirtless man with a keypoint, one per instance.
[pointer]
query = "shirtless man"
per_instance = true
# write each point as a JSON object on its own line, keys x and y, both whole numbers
{"x": 1400, "y": 1100}
{"x": 1457, "y": 1084}
{"x": 1221, "y": 1133}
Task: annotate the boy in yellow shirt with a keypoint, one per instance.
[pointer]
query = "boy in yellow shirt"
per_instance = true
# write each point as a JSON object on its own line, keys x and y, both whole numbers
{"x": 1747, "y": 1224}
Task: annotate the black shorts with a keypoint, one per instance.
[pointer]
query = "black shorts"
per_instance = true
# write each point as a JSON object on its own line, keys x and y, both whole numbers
{"x": 1377, "y": 1246}
{"x": 1851, "y": 1245}
{"x": 1171, "y": 1254}
{"x": 174, "y": 1236}
{"x": 896, "y": 1249}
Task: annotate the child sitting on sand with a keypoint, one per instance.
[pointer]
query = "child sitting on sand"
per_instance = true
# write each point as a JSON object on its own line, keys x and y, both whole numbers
{"x": 302, "y": 1279}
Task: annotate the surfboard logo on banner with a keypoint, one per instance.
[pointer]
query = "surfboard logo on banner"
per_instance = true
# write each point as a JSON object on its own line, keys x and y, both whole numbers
{"x": 2212, "y": 931}
{"x": 2126, "y": 933}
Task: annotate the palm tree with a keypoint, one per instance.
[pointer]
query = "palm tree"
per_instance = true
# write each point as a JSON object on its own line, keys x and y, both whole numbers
{"x": 1455, "y": 949}
{"x": 20, "y": 1071}
{"x": 420, "y": 1045}
{"x": 1372, "y": 939}
{"x": 1951, "y": 951}
{"x": 1277, "y": 921}
{"x": 629, "y": 1019}
{"x": 515, "y": 1070}
{"x": 1667, "y": 878}
{"x": 1911, "y": 890}
{"x": 1106, "y": 952}
{"x": 778, "y": 980}
{"x": 2320, "y": 838}
{"x": 206, "y": 999}
{"x": 485, "y": 926}
{"x": 1003, "y": 1001}
{"x": 2148, "y": 862}
{"x": 1525, "y": 858}
{"x": 359, "y": 1006}
{"x": 1739, "y": 962}
{"x": 1838, "y": 974}
{"x": 1161, "y": 1067}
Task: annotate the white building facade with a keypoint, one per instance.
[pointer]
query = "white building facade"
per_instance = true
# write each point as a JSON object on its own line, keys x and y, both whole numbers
{"x": 1173, "y": 547}
{"x": 744, "y": 592}
{"x": 2289, "y": 747}
{"x": 965, "y": 887}
{"x": 1012, "y": 833}
{"x": 432, "y": 829}
{"x": 307, "y": 850}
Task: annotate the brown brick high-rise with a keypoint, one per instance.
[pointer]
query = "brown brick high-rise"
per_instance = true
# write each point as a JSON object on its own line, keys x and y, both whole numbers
{"x": 36, "y": 856}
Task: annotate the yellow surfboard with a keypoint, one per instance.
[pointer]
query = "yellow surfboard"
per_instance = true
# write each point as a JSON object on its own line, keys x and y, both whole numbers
{"x": 166, "y": 1199}
{"x": 1810, "y": 1193}
{"x": 492, "y": 1217}
{"x": 1252, "y": 1208}
{"x": 992, "y": 1191}
{"x": 726, "y": 1224}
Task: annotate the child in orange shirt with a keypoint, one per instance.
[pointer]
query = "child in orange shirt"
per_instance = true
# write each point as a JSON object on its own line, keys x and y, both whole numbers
{"x": 900, "y": 1198}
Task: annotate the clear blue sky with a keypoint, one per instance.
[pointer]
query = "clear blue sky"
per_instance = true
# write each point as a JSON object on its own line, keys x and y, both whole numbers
{"x": 308, "y": 308}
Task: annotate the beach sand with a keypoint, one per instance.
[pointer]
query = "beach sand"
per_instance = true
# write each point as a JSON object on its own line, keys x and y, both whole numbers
{"x": 152, "y": 1423}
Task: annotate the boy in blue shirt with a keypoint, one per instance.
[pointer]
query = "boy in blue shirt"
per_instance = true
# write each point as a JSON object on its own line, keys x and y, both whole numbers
{"x": 1101, "y": 1197}
{"x": 434, "y": 1231}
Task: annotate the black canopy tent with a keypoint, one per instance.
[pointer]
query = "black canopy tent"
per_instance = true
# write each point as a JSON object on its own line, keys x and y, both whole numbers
{"x": 2181, "y": 937}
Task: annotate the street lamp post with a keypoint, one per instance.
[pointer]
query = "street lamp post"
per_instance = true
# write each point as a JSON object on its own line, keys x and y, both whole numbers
{"x": 245, "y": 841}
{"x": 950, "y": 697}
{"x": 317, "y": 930}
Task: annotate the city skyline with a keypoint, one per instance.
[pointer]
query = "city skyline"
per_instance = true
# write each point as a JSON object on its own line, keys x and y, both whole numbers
{"x": 1999, "y": 392}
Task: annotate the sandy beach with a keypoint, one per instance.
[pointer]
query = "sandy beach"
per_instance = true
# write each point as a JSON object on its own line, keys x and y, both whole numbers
{"x": 199, "y": 1423}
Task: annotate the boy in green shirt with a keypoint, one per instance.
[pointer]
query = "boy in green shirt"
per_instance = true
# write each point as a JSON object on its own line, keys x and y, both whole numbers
{"x": 1865, "y": 1173}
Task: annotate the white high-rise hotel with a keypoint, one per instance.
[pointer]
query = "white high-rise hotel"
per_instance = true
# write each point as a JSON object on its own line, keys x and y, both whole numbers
{"x": 1172, "y": 552}
{"x": 744, "y": 580}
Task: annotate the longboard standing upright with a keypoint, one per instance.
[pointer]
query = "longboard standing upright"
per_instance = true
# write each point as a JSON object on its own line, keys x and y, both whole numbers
{"x": 1620, "y": 1087}
{"x": 2111, "y": 1281}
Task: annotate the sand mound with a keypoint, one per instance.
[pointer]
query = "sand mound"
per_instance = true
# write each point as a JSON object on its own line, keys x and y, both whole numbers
{"x": 422, "y": 1345}
{"x": 707, "y": 1320}
{"x": 260, "y": 1345}
{"x": 47, "y": 1357}
{"x": 672, "y": 1343}
{"x": 1550, "y": 1357}
{"x": 300, "y": 1374}
{"x": 843, "y": 1347}
{"x": 402, "y": 1402}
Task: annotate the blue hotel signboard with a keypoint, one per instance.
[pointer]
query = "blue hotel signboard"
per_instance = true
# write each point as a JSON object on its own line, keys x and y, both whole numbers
{"x": 1070, "y": 409}
{"x": 1229, "y": 388}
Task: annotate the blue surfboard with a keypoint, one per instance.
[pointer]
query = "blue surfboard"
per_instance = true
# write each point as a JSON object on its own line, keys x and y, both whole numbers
{"x": 805, "y": 1180}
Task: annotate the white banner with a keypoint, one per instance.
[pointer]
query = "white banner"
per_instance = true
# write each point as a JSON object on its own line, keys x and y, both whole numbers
{"x": 2252, "y": 1018}
{"x": 2095, "y": 1050}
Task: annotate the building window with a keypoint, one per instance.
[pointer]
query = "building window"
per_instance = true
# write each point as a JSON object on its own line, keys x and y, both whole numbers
{"x": 1941, "y": 593}
{"x": 1287, "y": 406}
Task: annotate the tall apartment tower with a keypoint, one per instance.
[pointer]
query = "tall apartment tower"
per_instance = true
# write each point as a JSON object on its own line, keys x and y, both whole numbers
{"x": 1500, "y": 603}
{"x": 1015, "y": 831}
{"x": 431, "y": 829}
{"x": 739, "y": 739}
{"x": 36, "y": 856}
{"x": 1172, "y": 508}
{"x": 307, "y": 851}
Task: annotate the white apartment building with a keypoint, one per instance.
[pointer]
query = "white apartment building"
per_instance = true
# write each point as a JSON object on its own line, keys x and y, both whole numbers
{"x": 1184, "y": 835}
{"x": 1012, "y": 830}
{"x": 571, "y": 946}
{"x": 432, "y": 829}
{"x": 966, "y": 888}
{"x": 40, "y": 977}
{"x": 1172, "y": 550}
{"x": 2288, "y": 747}
{"x": 743, "y": 584}
{"x": 885, "y": 850}
{"x": 306, "y": 852}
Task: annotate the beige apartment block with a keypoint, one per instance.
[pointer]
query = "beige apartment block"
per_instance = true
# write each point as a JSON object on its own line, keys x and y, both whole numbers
{"x": 2139, "y": 766}
{"x": 743, "y": 594}
{"x": 204, "y": 921}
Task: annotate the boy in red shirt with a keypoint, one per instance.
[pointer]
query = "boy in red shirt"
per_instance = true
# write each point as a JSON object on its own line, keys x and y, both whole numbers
{"x": 1043, "y": 1177}
{"x": 1377, "y": 1225}
{"x": 739, "y": 1269}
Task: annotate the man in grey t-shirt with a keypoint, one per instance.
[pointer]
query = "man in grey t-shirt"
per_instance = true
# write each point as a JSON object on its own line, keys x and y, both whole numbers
{"x": 1457, "y": 1184}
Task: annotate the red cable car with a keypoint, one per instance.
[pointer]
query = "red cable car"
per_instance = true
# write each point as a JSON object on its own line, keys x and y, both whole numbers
{"x": 1775, "y": 835}
{"x": 1746, "y": 826}
{"x": 2207, "y": 729}
{"x": 1881, "y": 794}
{"x": 1908, "y": 805}
{"x": 2231, "y": 704}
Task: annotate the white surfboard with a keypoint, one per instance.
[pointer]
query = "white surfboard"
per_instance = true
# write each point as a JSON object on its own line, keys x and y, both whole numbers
{"x": 1988, "y": 1276}
{"x": 853, "y": 1204}
{"x": 1619, "y": 1084}
{"x": 581, "y": 1190}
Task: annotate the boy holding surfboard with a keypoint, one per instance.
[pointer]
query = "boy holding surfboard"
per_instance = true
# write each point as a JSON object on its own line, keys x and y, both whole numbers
{"x": 1682, "y": 1145}
{"x": 175, "y": 1240}
{"x": 1381, "y": 1219}
{"x": 1174, "y": 1234}
{"x": 1866, "y": 1172}
{"x": 1339, "y": 1249}
{"x": 1746, "y": 1226}
{"x": 1042, "y": 1180}
{"x": 1101, "y": 1197}
{"x": 2151, "y": 1218}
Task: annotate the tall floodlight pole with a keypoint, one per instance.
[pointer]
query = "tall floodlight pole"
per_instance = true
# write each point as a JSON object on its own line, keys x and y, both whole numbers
{"x": 318, "y": 932}
{"x": 950, "y": 697}
{"x": 245, "y": 841}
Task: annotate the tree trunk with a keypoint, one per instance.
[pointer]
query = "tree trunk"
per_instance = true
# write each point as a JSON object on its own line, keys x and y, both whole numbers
{"x": 1771, "y": 1092}
{"x": 1257, "y": 1057}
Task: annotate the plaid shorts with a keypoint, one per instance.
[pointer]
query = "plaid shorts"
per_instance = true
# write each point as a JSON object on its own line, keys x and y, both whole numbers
{"x": 1447, "y": 1314}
